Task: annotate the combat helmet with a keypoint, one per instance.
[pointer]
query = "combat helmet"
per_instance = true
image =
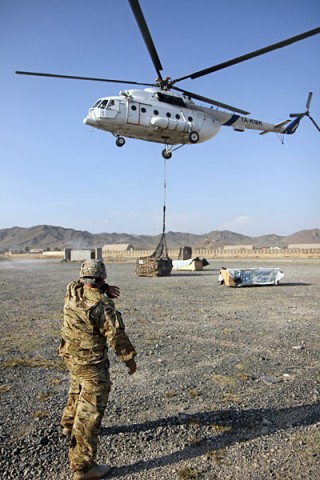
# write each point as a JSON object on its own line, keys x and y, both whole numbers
{"x": 91, "y": 270}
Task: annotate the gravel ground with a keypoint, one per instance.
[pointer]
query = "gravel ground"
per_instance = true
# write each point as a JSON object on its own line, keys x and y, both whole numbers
{"x": 227, "y": 385}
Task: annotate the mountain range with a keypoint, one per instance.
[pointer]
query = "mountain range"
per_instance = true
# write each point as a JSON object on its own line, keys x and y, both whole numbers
{"x": 49, "y": 237}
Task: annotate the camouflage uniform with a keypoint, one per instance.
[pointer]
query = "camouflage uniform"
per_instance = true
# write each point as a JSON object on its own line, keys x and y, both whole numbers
{"x": 90, "y": 319}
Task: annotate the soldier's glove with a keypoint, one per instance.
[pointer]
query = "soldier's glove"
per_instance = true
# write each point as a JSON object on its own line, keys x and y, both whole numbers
{"x": 112, "y": 291}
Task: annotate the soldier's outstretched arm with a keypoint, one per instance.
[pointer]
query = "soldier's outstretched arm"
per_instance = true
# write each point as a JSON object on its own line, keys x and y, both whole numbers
{"x": 113, "y": 328}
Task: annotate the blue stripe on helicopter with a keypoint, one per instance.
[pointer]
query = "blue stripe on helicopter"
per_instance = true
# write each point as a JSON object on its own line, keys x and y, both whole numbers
{"x": 292, "y": 127}
{"x": 232, "y": 120}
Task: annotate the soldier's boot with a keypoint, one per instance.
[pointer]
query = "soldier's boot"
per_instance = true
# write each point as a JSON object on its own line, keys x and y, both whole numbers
{"x": 94, "y": 473}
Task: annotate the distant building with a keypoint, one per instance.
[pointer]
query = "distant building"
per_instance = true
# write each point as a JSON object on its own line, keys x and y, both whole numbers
{"x": 304, "y": 246}
{"x": 117, "y": 247}
{"x": 79, "y": 255}
{"x": 237, "y": 247}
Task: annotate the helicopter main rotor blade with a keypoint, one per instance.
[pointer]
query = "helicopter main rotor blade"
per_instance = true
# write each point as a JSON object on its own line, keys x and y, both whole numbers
{"x": 93, "y": 79}
{"x": 137, "y": 12}
{"x": 248, "y": 56}
{"x": 210, "y": 101}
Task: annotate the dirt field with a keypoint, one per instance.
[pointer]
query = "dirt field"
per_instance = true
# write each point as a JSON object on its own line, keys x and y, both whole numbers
{"x": 227, "y": 385}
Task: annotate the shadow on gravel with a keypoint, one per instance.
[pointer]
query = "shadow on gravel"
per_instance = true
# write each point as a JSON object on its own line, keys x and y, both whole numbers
{"x": 190, "y": 274}
{"x": 232, "y": 426}
{"x": 282, "y": 284}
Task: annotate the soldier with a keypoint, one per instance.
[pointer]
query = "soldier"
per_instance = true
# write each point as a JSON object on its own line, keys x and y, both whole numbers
{"x": 90, "y": 322}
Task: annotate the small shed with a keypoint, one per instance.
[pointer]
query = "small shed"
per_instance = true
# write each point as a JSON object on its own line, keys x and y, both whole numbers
{"x": 303, "y": 246}
{"x": 79, "y": 255}
{"x": 237, "y": 247}
{"x": 117, "y": 247}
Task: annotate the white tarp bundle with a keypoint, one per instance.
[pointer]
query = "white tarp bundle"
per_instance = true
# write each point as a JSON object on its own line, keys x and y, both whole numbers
{"x": 178, "y": 264}
{"x": 192, "y": 264}
{"x": 233, "y": 277}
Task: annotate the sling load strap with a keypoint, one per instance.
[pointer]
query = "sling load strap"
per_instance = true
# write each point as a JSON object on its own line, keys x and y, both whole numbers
{"x": 162, "y": 250}
{"x": 164, "y": 196}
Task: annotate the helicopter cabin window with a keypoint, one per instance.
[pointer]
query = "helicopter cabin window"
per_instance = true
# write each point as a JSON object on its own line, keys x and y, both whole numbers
{"x": 156, "y": 112}
{"x": 143, "y": 110}
{"x": 177, "y": 116}
{"x": 190, "y": 119}
{"x": 133, "y": 107}
{"x": 168, "y": 114}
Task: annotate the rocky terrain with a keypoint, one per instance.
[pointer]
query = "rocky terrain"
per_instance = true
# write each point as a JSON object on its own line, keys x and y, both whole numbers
{"x": 48, "y": 237}
{"x": 227, "y": 385}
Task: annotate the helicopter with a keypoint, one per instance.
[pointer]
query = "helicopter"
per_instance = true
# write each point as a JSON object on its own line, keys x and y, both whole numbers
{"x": 164, "y": 113}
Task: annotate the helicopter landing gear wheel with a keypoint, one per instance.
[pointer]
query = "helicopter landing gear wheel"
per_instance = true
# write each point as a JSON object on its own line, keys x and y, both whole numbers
{"x": 193, "y": 137}
{"x": 166, "y": 154}
{"x": 120, "y": 142}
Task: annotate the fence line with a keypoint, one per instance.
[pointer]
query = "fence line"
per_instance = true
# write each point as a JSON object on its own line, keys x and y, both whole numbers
{"x": 117, "y": 255}
{"x": 219, "y": 253}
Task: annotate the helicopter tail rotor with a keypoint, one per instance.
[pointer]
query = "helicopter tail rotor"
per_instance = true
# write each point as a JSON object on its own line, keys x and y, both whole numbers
{"x": 306, "y": 113}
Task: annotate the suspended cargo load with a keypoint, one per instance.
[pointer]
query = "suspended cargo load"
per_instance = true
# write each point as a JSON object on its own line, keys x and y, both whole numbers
{"x": 153, "y": 267}
{"x": 156, "y": 265}
{"x": 233, "y": 277}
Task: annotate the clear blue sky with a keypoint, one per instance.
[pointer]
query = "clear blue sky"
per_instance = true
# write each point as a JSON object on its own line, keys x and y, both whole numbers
{"x": 57, "y": 171}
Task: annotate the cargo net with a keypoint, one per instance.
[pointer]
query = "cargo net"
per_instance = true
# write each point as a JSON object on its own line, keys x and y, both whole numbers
{"x": 158, "y": 264}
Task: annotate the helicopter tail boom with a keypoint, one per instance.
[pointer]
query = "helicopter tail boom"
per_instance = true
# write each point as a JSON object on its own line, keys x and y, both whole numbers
{"x": 276, "y": 125}
{"x": 288, "y": 130}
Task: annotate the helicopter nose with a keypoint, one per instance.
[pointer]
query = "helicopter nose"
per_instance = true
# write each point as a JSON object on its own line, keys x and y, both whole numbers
{"x": 89, "y": 121}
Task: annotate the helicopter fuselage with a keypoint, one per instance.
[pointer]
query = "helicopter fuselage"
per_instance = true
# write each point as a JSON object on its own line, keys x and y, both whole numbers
{"x": 164, "y": 117}
{"x": 152, "y": 115}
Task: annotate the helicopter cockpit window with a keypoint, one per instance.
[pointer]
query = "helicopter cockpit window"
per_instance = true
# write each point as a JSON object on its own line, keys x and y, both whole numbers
{"x": 96, "y": 104}
{"x": 111, "y": 104}
{"x": 103, "y": 104}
